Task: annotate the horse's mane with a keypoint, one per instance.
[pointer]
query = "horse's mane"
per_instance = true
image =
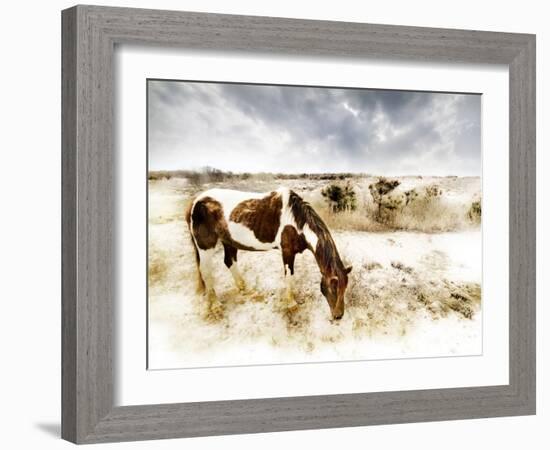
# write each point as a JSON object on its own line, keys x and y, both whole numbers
{"x": 326, "y": 251}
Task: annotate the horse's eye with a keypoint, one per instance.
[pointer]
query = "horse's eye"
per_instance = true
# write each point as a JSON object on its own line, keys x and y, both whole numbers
{"x": 323, "y": 288}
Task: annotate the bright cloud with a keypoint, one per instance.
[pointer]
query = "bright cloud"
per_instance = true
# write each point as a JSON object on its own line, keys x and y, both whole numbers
{"x": 261, "y": 128}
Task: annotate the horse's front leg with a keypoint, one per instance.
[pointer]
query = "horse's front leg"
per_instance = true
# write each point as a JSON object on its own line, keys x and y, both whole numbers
{"x": 230, "y": 260}
{"x": 289, "y": 300}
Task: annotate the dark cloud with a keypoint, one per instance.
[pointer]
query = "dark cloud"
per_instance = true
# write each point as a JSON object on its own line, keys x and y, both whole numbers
{"x": 296, "y": 129}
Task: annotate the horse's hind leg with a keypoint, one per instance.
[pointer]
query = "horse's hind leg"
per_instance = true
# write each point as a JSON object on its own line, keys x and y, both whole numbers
{"x": 230, "y": 260}
{"x": 204, "y": 218}
{"x": 200, "y": 287}
{"x": 207, "y": 274}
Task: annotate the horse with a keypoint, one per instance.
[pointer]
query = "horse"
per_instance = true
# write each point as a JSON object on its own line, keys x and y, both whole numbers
{"x": 251, "y": 221}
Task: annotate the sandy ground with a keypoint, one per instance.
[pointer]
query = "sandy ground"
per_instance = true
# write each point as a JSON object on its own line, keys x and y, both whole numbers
{"x": 411, "y": 294}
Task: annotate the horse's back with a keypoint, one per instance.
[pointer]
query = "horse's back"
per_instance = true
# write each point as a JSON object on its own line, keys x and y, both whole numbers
{"x": 252, "y": 218}
{"x": 229, "y": 199}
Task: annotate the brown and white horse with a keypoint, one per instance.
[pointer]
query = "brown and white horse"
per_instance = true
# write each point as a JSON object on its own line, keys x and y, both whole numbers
{"x": 263, "y": 221}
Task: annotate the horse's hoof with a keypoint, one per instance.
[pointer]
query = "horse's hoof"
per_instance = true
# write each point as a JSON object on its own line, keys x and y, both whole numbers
{"x": 214, "y": 316}
{"x": 257, "y": 296}
{"x": 215, "y": 311}
{"x": 291, "y": 306}
{"x": 253, "y": 294}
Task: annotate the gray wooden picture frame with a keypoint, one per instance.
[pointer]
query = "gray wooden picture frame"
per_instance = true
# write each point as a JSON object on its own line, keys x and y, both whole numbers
{"x": 89, "y": 36}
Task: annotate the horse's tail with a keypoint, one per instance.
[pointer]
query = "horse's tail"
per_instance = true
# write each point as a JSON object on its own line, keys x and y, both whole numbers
{"x": 188, "y": 215}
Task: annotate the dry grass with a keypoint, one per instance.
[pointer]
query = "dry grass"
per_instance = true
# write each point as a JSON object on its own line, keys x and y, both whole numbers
{"x": 356, "y": 220}
{"x": 429, "y": 205}
{"x": 386, "y": 299}
{"x": 157, "y": 267}
{"x": 423, "y": 212}
{"x": 431, "y": 215}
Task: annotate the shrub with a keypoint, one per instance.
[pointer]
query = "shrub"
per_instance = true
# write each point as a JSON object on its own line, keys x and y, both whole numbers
{"x": 433, "y": 191}
{"x": 410, "y": 196}
{"x": 340, "y": 198}
{"x": 379, "y": 190}
{"x": 474, "y": 213}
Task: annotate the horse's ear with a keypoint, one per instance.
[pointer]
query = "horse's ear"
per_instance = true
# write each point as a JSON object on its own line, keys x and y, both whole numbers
{"x": 348, "y": 269}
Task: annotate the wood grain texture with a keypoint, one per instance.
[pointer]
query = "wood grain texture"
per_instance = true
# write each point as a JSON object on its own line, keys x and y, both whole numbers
{"x": 88, "y": 303}
{"x": 522, "y": 224}
{"x": 68, "y": 226}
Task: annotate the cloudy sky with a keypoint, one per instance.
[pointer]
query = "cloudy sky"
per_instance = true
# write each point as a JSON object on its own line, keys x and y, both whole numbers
{"x": 256, "y": 128}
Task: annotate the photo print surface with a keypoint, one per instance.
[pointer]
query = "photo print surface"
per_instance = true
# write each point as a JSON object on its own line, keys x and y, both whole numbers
{"x": 295, "y": 224}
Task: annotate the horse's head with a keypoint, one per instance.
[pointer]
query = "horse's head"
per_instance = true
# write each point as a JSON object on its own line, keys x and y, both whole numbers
{"x": 333, "y": 287}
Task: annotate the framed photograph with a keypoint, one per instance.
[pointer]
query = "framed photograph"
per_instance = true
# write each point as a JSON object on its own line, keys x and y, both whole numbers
{"x": 278, "y": 224}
